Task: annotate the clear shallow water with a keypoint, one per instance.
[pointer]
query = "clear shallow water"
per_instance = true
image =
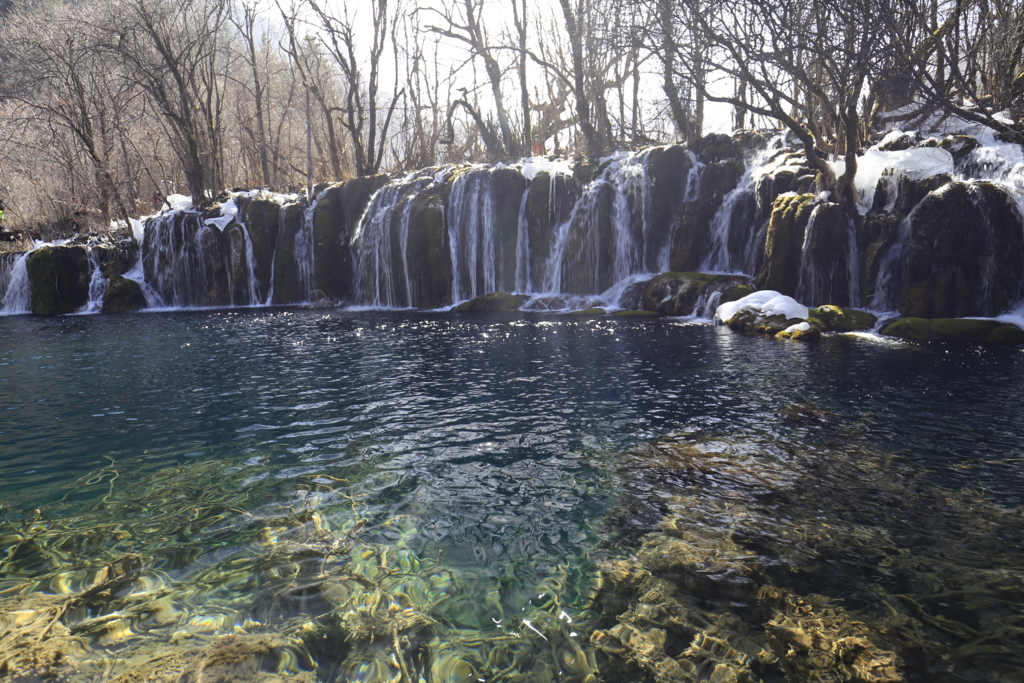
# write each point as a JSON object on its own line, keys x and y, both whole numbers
{"x": 479, "y": 453}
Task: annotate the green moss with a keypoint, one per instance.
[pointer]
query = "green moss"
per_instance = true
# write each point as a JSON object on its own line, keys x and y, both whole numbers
{"x": 811, "y": 334}
{"x": 123, "y": 295}
{"x": 956, "y": 329}
{"x": 590, "y": 311}
{"x": 59, "y": 279}
{"x": 784, "y": 243}
{"x": 490, "y": 303}
{"x": 834, "y": 319}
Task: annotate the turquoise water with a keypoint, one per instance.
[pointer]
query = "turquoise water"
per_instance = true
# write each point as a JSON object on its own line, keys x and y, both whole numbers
{"x": 470, "y": 465}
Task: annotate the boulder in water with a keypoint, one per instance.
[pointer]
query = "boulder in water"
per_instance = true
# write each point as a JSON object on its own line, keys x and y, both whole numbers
{"x": 59, "y": 278}
{"x": 956, "y": 330}
{"x": 800, "y": 332}
{"x": 966, "y": 253}
{"x": 489, "y": 303}
{"x": 123, "y": 295}
{"x": 693, "y": 293}
{"x": 835, "y": 319}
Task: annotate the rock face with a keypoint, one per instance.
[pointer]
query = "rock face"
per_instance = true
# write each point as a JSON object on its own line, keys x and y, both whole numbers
{"x": 429, "y": 251}
{"x": 289, "y": 284}
{"x": 784, "y": 243}
{"x": 692, "y": 233}
{"x": 337, "y": 214}
{"x": 966, "y": 253}
{"x": 956, "y": 330}
{"x": 59, "y": 277}
{"x": 123, "y": 296}
{"x": 829, "y": 262}
{"x": 693, "y": 293}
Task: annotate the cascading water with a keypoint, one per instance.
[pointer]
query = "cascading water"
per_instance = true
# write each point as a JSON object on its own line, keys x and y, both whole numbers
{"x": 829, "y": 275}
{"x": 608, "y": 237}
{"x": 381, "y": 270}
{"x": 16, "y": 295}
{"x": 471, "y": 229}
{"x": 97, "y": 284}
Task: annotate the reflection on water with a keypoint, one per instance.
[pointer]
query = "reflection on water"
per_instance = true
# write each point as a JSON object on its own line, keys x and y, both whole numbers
{"x": 376, "y": 497}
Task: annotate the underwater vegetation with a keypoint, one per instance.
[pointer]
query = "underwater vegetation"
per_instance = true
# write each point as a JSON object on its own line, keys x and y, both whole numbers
{"x": 810, "y": 555}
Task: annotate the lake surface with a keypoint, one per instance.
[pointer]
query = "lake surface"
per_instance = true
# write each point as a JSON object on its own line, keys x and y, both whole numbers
{"x": 470, "y": 467}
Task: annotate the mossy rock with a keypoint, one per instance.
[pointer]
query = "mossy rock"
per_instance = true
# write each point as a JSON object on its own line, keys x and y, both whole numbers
{"x": 635, "y": 314}
{"x": 429, "y": 253}
{"x": 825, "y": 258}
{"x": 750, "y": 322}
{"x": 956, "y": 330}
{"x": 549, "y": 203}
{"x": 123, "y": 296}
{"x": 795, "y": 333}
{"x": 966, "y": 253}
{"x": 262, "y": 218}
{"x": 491, "y": 303}
{"x": 288, "y": 288}
{"x": 236, "y": 254}
{"x": 59, "y": 278}
{"x": 338, "y": 210}
{"x": 594, "y": 311}
{"x": 835, "y": 319}
{"x": 715, "y": 147}
{"x": 784, "y": 243}
{"x": 679, "y": 293}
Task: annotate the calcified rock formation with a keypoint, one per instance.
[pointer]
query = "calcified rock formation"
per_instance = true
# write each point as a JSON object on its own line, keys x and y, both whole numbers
{"x": 938, "y": 232}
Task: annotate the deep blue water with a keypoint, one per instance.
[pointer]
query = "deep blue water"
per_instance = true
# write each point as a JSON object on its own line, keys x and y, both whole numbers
{"x": 489, "y": 444}
{"x": 438, "y": 391}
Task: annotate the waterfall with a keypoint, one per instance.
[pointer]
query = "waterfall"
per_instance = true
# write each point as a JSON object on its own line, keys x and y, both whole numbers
{"x": 97, "y": 284}
{"x": 304, "y": 251}
{"x": 250, "y": 262}
{"x": 524, "y": 273}
{"x": 16, "y": 295}
{"x": 609, "y": 235}
{"x": 471, "y": 236}
{"x": 892, "y": 271}
{"x": 378, "y": 260}
{"x": 718, "y": 259}
{"x": 837, "y": 279}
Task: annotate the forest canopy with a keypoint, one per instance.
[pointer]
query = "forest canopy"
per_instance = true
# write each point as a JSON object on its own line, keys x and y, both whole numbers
{"x": 106, "y": 106}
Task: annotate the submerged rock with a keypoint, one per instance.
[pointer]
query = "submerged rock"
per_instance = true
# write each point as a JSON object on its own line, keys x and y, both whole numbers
{"x": 956, "y": 329}
{"x": 59, "y": 277}
{"x": 798, "y": 561}
{"x": 498, "y": 301}
{"x": 693, "y": 293}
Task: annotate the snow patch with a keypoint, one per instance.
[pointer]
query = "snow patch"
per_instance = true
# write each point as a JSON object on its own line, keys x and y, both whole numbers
{"x": 765, "y": 303}
{"x": 533, "y": 166}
